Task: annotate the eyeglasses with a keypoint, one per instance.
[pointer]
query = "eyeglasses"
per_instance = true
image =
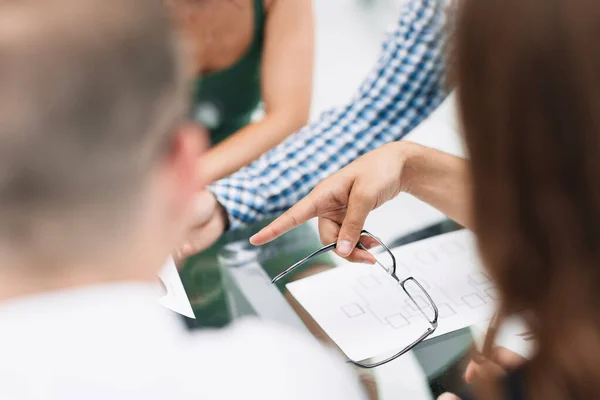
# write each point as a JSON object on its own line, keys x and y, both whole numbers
{"x": 420, "y": 300}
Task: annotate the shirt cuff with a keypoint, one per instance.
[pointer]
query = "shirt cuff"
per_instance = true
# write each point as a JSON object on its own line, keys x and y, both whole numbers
{"x": 241, "y": 206}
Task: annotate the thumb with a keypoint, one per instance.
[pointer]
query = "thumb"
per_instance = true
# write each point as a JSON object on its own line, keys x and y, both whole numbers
{"x": 359, "y": 207}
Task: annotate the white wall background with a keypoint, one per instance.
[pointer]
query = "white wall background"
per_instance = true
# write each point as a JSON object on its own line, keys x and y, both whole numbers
{"x": 348, "y": 38}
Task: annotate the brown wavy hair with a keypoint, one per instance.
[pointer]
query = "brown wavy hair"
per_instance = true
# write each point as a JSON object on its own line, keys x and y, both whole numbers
{"x": 528, "y": 75}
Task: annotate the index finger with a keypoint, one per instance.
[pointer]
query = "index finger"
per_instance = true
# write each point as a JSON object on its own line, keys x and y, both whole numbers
{"x": 304, "y": 210}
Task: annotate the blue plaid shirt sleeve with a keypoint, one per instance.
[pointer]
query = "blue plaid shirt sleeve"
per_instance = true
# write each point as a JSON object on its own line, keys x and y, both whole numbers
{"x": 407, "y": 84}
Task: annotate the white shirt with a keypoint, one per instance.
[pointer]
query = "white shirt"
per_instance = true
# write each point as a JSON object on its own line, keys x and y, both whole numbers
{"x": 115, "y": 342}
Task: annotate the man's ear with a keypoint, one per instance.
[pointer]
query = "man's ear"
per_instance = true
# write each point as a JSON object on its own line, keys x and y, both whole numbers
{"x": 189, "y": 144}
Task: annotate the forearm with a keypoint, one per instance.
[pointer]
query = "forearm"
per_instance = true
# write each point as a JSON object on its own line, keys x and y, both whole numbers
{"x": 247, "y": 145}
{"x": 439, "y": 179}
{"x": 405, "y": 86}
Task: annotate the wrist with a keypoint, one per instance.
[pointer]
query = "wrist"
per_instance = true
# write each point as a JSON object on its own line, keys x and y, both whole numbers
{"x": 411, "y": 155}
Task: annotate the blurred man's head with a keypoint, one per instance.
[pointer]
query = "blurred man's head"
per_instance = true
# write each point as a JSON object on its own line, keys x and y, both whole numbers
{"x": 95, "y": 166}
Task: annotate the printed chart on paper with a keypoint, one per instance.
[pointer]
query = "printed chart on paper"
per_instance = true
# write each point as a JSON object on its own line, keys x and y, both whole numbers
{"x": 366, "y": 312}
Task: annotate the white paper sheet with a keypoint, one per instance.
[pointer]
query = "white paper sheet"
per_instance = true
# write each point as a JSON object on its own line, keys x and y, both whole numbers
{"x": 367, "y": 314}
{"x": 176, "y": 298}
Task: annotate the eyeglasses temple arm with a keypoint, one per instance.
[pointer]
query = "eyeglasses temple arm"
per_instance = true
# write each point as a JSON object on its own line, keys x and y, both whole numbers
{"x": 322, "y": 250}
{"x": 332, "y": 246}
{"x": 393, "y": 271}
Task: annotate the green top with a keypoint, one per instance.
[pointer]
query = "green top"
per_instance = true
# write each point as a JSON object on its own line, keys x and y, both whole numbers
{"x": 225, "y": 100}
